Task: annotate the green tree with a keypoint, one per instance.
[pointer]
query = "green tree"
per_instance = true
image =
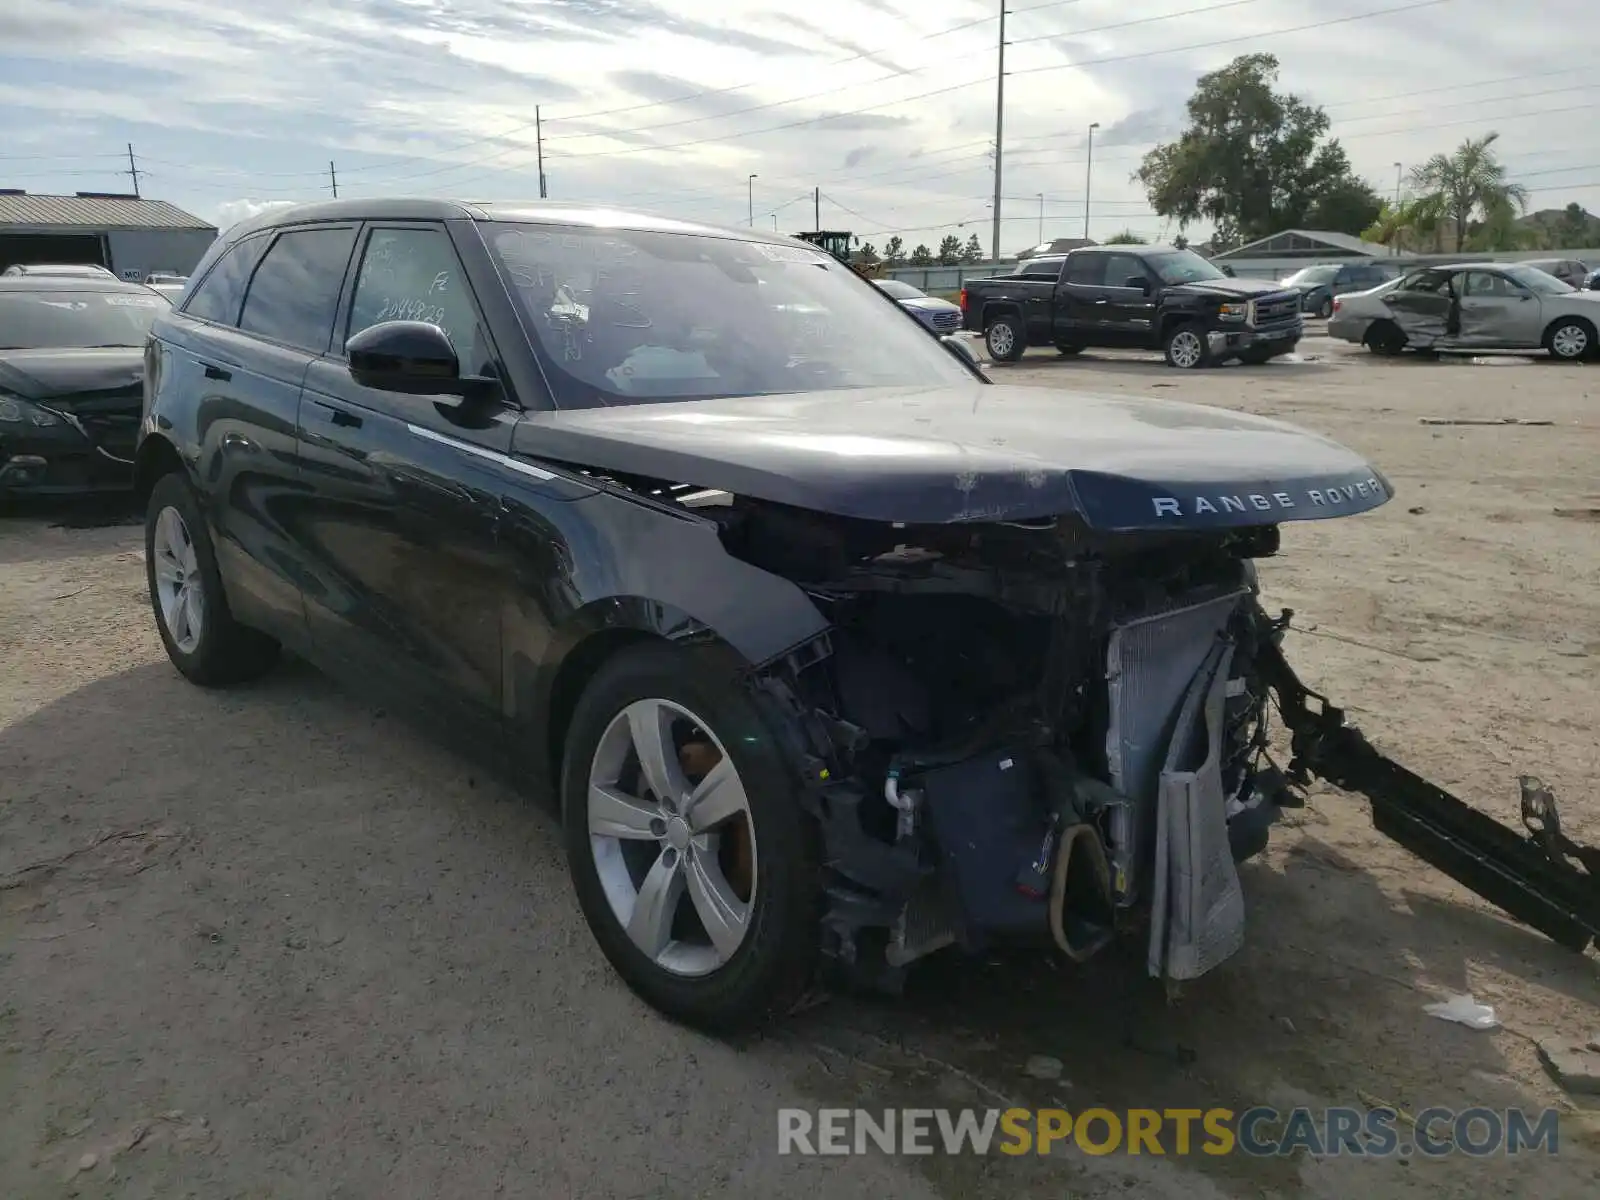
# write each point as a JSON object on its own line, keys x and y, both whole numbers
{"x": 868, "y": 252}
{"x": 1414, "y": 226}
{"x": 1253, "y": 160}
{"x": 972, "y": 252}
{"x": 1573, "y": 231}
{"x": 1470, "y": 180}
{"x": 921, "y": 256}
{"x": 894, "y": 250}
{"x": 950, "y": 250}
{"x": 1126, "y": 238}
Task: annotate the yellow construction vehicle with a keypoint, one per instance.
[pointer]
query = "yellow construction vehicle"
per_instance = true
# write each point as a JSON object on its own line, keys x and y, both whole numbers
{"x": 841, "y": 244}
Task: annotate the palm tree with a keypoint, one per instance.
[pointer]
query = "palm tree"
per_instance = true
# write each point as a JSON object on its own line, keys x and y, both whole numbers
{"x": 1414, "y": 225}
{"x": 1469, "y": 180}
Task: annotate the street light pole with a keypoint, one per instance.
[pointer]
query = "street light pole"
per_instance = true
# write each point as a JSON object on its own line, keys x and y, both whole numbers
{"x": 1088, "y": 180}
{"x": 750, "y": 187}
{"x": 1397, "y": 171}
{"x": 999, "y": 127}
{"x": 1041, "y": 218}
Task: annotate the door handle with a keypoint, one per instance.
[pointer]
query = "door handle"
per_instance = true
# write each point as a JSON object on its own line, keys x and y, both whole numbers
{"x": 1102, "y": 302}
{"x": 340, "y": 416}
{"x": 218, "y": 373}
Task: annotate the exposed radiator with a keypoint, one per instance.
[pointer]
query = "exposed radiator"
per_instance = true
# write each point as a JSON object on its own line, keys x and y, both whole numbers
{"x": 1150, "y": 663}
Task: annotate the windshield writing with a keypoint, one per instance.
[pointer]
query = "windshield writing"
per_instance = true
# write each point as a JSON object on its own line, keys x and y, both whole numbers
{"x": 624, "y": 317}
{"x": 59, "y": 320}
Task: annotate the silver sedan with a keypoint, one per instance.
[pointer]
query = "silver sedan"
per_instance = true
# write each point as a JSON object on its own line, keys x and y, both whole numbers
{"x": 1474, "y": 306}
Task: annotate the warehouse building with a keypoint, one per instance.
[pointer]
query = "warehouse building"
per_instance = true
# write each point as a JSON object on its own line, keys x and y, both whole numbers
{"x": 133, "y": 237}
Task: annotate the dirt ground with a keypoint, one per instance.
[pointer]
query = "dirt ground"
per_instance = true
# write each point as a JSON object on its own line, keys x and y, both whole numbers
{"x": 274, "y": 942}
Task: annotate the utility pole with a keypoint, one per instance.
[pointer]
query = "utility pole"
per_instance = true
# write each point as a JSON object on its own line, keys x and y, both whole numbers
{"x": 999, "y": 128}
{"x": 538, "y": 139}
{"x": 1088, "y": 179}
{"x": 750, "y": 194}
{"x": 1395, "y": 249}
{"x": 333, "y": 178}
{"x": 133, "y": 170}
{"x": 1041, "y": 218}
{"x": 816, "y": 209}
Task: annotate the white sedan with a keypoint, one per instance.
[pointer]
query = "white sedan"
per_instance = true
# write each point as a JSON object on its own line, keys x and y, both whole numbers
{"x": 1474, "y": 306}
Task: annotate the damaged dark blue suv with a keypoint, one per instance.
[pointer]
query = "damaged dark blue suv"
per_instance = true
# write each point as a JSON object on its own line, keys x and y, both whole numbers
{"x": 834, "y": 653}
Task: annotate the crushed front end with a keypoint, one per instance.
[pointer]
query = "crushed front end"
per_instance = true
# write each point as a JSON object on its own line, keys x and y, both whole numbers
{"x": 1031, "y": 733}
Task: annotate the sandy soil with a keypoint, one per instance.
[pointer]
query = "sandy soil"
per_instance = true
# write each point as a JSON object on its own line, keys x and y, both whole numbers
{"x": 274, "y": 942}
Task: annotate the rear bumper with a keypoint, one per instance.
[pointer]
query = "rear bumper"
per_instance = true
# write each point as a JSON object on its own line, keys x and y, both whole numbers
{"x": 1348, "y": 329}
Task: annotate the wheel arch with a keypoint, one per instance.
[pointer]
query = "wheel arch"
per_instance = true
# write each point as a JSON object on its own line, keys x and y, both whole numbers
{"x": 156, "y": 457}
{"x": 1548, "y": 336}
{"x": 1000, "y": 308}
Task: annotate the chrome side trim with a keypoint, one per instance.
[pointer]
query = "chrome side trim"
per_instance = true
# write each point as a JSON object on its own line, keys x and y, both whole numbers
{"x": 494, "y": 456}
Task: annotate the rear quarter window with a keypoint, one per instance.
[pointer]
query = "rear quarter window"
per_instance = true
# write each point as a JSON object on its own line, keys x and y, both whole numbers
{"x": 221, "y": 292}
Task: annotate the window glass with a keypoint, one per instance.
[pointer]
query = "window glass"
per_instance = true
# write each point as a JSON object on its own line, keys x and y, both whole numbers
{"x": 624, "y": 316}
{"x": 1536, "y": 280}
{"x": 1043, "y": 268}
{"x": 295, "y": 291}
{"x": 1426, "y": 281}
{"x": 412, "y": 274}
{"x": 218, "y": 296}
{"x": 1122, "y": 270}
{"x": 1489, "y": 283}
{"x": 1088, "y": 270}
{"x": 58, "y": 320}
{"x": 1181, "y": 266}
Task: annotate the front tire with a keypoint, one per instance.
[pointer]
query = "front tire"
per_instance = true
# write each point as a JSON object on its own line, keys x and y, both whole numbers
{"x": 694, "y": 864}
{"x": 1185, "y": 348}
{"x": 202, "y": 639}
{"x": 1005, "y": 338}
{"x": 1570, "y": 339}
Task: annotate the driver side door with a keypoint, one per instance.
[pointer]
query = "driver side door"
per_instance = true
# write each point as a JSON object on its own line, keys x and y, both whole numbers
{"x": 408, "y": 578}
{"x": 1424, "y": 307}
{"x": 1497, "y": 312}
{"x": 1132, "y": 290}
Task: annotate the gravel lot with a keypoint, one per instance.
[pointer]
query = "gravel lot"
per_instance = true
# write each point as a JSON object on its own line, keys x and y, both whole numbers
{"x": 275, "y": 942}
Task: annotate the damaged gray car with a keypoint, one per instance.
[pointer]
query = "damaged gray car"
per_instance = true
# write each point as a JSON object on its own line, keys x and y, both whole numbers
{"x": 836, "y": 654}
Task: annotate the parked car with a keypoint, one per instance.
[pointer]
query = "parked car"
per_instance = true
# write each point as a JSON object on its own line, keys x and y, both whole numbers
{"x": 1145, "y": 297}
{"x": 59, "y": 270}
{"x": 1319, "y": 284}
{"x": 833, "y": 651}
{"x": 938, "y": 315}
{"x": 1473, "y": 306}
{"x": 71, "y": 380}
{"x": 1569, "y": 270}
{"x": 1592, "y": 281}
{"x": 169, "y": 283}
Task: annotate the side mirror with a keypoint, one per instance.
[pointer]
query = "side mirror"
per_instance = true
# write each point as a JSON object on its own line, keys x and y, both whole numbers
{"x": 962, "y": 349}
{"x": 1138, "y": 282}
{"x": 414, "y": 358}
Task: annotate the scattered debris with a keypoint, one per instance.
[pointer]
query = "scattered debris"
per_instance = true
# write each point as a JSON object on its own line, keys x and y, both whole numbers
{"x": 1463, "y": 1010}
{"x": 1478, "y": 421}
{"x": 1042, "y": 1066}
{"x": 1287, "y": 1025}
{"x": 1416, "y": 510}
{"x": 1574, "y": 1065}
{"x": 1401, "y": 1114}
{"x": 1578, "y": 514}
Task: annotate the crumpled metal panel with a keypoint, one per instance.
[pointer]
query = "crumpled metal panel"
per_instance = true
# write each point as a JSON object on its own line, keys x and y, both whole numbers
{"x": 1150, "y": 663}
{"x": 1197, "y": 903}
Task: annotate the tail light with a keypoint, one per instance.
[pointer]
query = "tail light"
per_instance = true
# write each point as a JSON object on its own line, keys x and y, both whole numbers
{"x": 1336, "y": 303}
{"x": 963, "y": 300}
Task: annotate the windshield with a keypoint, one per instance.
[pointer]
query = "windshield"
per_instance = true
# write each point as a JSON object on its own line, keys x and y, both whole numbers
{"x": 1181, "y": 266}
{"x": 626, "y": 316}
{"x": 57, "y": 320}
{"x": 1536, "y": 280}
{"x": 1312, "y": 276}
{"x": 900, "y": 291}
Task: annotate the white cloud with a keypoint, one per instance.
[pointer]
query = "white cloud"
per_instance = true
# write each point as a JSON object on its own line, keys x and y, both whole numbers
{"x": 229, "y": 110}
{"x": 231, "y": 212}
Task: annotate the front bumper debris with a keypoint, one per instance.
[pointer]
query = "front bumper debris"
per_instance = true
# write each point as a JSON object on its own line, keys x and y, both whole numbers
{"x": 1541, "y": 877}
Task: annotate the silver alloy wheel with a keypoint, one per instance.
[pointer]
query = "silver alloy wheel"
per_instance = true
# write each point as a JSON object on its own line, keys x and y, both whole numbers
{"x": 658, "y": 842}
{"x": 1570, "y": 341}
{"x": 1001, "y": 340}
{"x": 179, "y": 589}
{"x": 1186, "y": 348}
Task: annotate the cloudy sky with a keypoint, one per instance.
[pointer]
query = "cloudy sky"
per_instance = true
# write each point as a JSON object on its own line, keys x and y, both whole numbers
{"x": 887, "y": 106}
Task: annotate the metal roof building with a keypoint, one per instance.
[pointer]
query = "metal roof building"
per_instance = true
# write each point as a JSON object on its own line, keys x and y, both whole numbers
{"x": 126, "y": 233}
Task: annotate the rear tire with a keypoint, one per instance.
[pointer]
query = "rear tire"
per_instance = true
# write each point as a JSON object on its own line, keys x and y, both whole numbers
{"x": 1384, "y": 338}
{"x": 1570, "y": 339}
{"x": 1068, "y": 350}
{"x": 714, "y": 985}
{"x": 1185, "y": 348}
{"x": 1005, "y": 338}
{"x": 1325, "y": 308}
{"x": 202, "y": 639}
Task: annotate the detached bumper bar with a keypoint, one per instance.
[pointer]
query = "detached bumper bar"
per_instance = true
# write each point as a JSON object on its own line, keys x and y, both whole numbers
{"x": 1541, "y": 877}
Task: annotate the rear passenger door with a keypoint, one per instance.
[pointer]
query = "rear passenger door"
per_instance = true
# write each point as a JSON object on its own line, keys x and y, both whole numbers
{"x": 408, "y": 579}
{"x": 1041, "y": 274}
{"x": 1081, "y": 305}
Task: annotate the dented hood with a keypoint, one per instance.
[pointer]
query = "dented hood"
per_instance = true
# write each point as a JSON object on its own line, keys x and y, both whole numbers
{"x": 979, "y": 453}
